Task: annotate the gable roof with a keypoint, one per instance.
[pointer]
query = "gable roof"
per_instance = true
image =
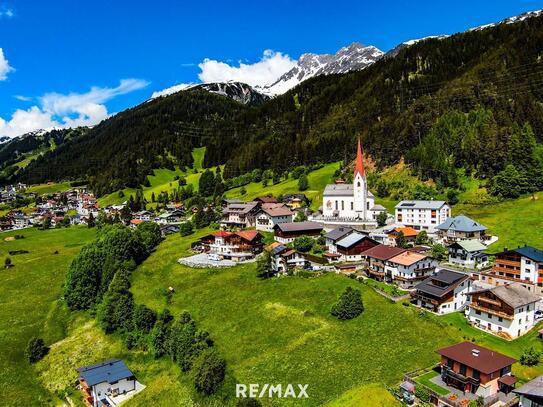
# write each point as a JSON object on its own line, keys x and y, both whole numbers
{"x": 339, "y": 233}
{"x": 532, "y": 388}
{"x": 407, "y": 258}
{"x": 266, "y": 199}
{"x": 382, "y": 252}
{"x": 483, "y": 359}
{"x": 298, "y": 226}
{"x": 249, "y": 235}
{"x": 407, "y": 231}
{"x": 350, "y": 240}
{"x": 276, "y": 209}
{"x": 420, "y": 204}
{"x": 448, "y": 278}
{"x": 530, "y": 252}
{"x": 108, "y": 371}
{"x": 513, "y": 294}
{"x": 470, "y": 245}
{"x": 461, "y": 223}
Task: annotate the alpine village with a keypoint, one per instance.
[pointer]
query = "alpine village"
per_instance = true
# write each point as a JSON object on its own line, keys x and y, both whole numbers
{"x": 375, "y": 235}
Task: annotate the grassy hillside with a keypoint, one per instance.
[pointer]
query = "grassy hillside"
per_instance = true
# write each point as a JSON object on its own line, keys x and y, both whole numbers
{"x": 28, "y": 306}
{"x": 317, "y": 181}
{"x": 277, "y": 330}
{"x": 516, "y": 222}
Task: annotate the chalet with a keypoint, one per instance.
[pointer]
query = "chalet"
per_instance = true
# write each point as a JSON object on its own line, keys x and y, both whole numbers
{"x": 144, "y": 216}
{"x": 422, "y": 215}
{"x": 20, "y": 220}
{"x": 531, "y": 394}
{"x": 295, "y": 201}
{"x": 271, "y": 214}
{"x": 352, "y": 246}
{"x": 409, "y": 268}
{"x": 236, "y": 246}
{"x": 443, "y": 292}
{"x": 523, "y": 265}
{"x": 469, "y": 254}
{"x": 288, "y": 231}
{"x": 335, "y": 235}
{"x": 169, "y": 229}
{"x": 240, "y": 214}
{"x": 376, "y": 260}
{"x": 108, "y": 383}
{"x": 505, "y": 310}
{"x": 408, "y": 233}
{"x": 477, "y": 370}
{"x": 175, "y": 216}
{"x": 284, "y": 259}
{"x": 460, "y": 228}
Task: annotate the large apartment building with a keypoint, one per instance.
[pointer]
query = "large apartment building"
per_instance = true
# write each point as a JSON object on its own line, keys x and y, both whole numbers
{"x": 422, "y": 215}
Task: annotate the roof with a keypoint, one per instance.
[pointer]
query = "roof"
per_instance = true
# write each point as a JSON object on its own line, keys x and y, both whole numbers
{"x": 340, "y": 190}
{"x": 298, "y": 226}
{"x": 266, "y": 199}
{"x": 278, "y": 249}
{"x": 462, "y": 223}
{"x": 221, "y": 233}
{"x": 248, "y": 234}
{"x": 407, "y": 258}
{"x": 420, "y": 204}
{"x": 350, "y": 240}
{"x": 470, "y": 245}
{"x": 339, "y": 233}
{"x": 513, "y": 294}
{"x": 407, "y": 231}
{"x": 276, "y": 209}
{"x": 530, "y": 252}
{"x": 136, "y": 221}
{"x": 359, "y": 166}
{"x": 532, "y": 388}
{"x": 485, "y": 360}
{"x": 108, "y": 371}
{"x": 382, "y": 252}
{"x": 448, "y": 278}
{"x": 508, "y": 380}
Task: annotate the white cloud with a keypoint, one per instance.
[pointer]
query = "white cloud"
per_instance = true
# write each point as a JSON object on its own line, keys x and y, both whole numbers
{"x": 264, "y": 72}
{"x": 6, "y": 12}
{"x": 23, "y": 98}
{"x": 4, "y": 66}
{"x": 57, "y": 110}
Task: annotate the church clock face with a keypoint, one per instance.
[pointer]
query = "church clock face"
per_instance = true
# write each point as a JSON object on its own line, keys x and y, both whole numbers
{"x": 329, "y": 204}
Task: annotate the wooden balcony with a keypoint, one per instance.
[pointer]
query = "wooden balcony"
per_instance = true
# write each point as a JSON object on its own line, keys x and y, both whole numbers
{"x": 497, "y": 313}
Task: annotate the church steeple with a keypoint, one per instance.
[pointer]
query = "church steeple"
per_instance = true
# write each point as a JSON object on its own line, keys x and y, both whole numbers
{"x": 359, "y": 167}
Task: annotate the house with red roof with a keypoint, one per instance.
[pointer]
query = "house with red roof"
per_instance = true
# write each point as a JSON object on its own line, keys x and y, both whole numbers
{"x": 236, "y": 246}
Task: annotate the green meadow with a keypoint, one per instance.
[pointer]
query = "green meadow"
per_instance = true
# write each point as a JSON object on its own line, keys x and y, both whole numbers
{"x": 28, "y": 305}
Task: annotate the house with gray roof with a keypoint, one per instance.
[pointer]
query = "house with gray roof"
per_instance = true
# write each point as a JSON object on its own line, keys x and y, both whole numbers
{"x": 505, "y": 310}
{"x": 531, "y": 394}
{"x": 459, "y": 228}
{"x": 469, "y": 253}
{"x": 443, "y": 292}
{"x": 422, "y": 215}
{"x": 107, "y": 383}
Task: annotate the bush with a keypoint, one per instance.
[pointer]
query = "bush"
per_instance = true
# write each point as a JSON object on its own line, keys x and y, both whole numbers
{"x": 303, "y": 183}
{"x": 422, "y": 394}
{"x": 209, "y": 371}
{"x": 530, "y": 357}
{"x": 349, "y": 305}
{"x": 35, "y": 350}
{"x": 143, "y": 318}
{"x": 186, "y": 228}
{"x": 248, "y": 403}
{"x": 303, "y": 243}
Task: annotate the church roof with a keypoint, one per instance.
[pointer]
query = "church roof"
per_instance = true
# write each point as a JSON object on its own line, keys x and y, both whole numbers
{"x": 359, "y": 167}
{"x": 341, "y": 190}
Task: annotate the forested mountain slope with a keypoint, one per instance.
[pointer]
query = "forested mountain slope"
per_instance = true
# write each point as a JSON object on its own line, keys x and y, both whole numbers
{"x": 470, "y": 100}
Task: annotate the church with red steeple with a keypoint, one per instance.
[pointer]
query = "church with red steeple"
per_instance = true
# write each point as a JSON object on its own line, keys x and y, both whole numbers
{"x": 351, "y": 203}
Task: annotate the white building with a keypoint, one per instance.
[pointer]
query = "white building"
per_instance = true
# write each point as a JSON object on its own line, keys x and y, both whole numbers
{"x": 469, "y": 254}
{"x": 351, "y": 203}
{"x": 107, "y": 383}
{"x": 271, "y": 214}
{"x": 422, "y": 215}
{"x": 409, "y": 268}
{"x": 505, "y": 310}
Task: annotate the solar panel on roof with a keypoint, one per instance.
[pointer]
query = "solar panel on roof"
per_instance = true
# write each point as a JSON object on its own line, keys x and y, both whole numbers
{"x": 408, "y": 204}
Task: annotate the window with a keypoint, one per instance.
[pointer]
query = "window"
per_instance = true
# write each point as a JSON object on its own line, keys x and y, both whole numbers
{"x": 358, "y": 184}
{"x": 352, "y": 206}
{"x": 476, "y": 374}
{"x": 450, "y": 363}
{"x": 463, "y": 369}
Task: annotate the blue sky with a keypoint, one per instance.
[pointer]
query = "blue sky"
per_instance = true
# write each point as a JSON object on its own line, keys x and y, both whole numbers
{"x": 73, "y": 62}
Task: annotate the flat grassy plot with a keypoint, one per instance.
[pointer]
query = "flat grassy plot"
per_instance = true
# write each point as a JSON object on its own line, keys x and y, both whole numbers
{"x": 425, "y": 380}
{"x": 28, "y": 305}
